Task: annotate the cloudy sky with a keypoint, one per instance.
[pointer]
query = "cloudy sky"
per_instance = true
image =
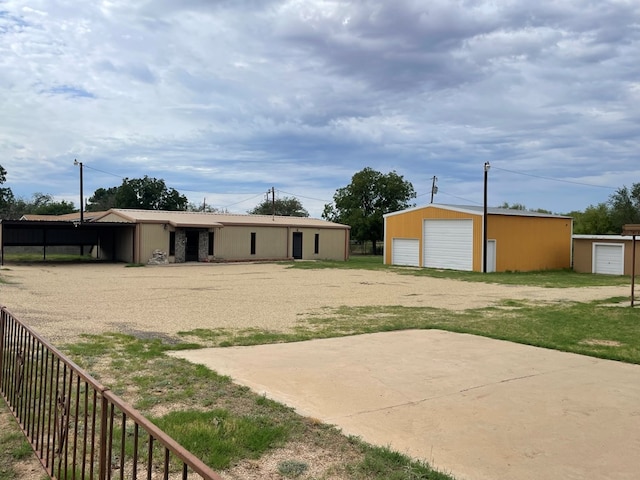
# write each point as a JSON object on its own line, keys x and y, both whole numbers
{"x": 225, "y": 99}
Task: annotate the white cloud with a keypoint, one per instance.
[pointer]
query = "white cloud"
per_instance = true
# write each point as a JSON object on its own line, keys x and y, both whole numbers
{"x": 226, "y": 99}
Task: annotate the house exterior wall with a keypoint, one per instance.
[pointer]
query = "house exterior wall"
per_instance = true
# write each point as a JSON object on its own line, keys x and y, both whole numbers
{"x": 234, "y": 243}
{"x": 152, "y": 236}
{"x": 530, "y": 243}
{"x": 333, "y": 244}
{"x": 583, "y": 252}
{"x": 410, "y": 225}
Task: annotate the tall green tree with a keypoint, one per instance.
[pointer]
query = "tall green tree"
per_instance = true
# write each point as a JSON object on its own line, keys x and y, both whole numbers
{"x": 285, "y": 206}
{"x": 141, "y": 193}
{"x": 363, "y": 202}
{"x": 6, "y": 195}
{"x": 102, "y": 199}
{"x": 44, "y": 204}
{"x": 625, "y": 206}
{"x": 595, "y": 220}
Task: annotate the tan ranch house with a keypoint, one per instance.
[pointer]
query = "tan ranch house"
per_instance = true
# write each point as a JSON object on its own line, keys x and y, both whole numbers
{"x": 141, "y": 236}
{"x": 209, "y": 237}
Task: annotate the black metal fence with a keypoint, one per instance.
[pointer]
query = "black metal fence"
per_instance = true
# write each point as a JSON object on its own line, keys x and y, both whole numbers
{"x": 76, "y": 426}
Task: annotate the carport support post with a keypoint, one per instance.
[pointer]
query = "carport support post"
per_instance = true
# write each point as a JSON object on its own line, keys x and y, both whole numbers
{"x": 76, "y": 162}
{"x": 484, "y": 219}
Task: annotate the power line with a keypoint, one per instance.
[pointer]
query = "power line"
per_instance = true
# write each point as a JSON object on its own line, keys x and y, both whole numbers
{"x": 553, "y": 179}
{"x": 459, "y": 198}
{"x": 242, "y": 201}
{"x": 302, "y": 196}
{"x": 102, "y": 171}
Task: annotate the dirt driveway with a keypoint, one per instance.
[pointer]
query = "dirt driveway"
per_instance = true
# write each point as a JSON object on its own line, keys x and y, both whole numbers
{"x": 63, "y": 301}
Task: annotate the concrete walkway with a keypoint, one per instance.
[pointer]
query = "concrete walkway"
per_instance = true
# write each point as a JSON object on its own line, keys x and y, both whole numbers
{"x": 472, "y": 406}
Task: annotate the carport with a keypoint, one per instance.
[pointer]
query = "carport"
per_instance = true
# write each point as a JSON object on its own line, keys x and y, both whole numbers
{"x": 112, "y": 241}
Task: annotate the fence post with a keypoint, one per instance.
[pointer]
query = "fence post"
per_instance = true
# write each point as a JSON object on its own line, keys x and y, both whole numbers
{"x": 2, "y": 322}
{"x": 102, "y": 462}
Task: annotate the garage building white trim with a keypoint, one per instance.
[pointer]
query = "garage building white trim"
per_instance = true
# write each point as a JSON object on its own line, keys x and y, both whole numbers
{"x": 448, "y": 243}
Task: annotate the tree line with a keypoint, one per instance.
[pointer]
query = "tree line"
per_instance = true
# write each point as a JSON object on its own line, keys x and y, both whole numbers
{"x": 361, "y": 204}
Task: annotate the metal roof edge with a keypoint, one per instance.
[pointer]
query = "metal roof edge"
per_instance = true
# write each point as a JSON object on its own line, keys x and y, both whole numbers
{"x": 453, "y": 208}
{"x": 599, "y": 237}
{"x": 473, "y": 210}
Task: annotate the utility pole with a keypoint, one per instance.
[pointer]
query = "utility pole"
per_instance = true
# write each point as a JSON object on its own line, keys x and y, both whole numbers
{"x": 273, "y": 201}
{"x": 434, "y": 188}
{"x": 76, "y": 163}
{"x": 487, "y": 166}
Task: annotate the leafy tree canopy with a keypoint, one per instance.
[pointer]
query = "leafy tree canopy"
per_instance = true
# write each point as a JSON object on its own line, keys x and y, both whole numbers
{"x": 192, "y": 207}
{"x": 520, "y": 206}
{"x": 43, "y": 204}
{"x": 285, "y": 206}
{"x": 624, "y": 207}
{"x": 102, "y": 199}
{"x": 363, "y": 202}
{"x": 6, "y": 195}
{"x": 142, "y": 193}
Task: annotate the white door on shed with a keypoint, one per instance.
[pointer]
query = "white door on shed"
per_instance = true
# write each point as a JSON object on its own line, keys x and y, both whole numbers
{"x": 448, "y": 244}
{"x": 405, "y": 251}
{"x": 608, "y": 258}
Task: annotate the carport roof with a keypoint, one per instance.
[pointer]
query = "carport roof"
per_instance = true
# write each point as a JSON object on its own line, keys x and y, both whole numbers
{"x": 205, "y": 219}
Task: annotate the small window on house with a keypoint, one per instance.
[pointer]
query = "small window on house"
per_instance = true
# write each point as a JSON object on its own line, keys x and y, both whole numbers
{"x": 211, "y": 243}
{"x": 253, "y": 243}
{"x": 316, "y": 245}
{"x": 172, "y": 243}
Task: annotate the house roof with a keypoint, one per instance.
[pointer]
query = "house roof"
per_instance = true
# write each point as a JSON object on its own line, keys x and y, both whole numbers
{"x": 479, "y": 210}
{"x": 207, "y": 220}
{"x": 67, "y": 217}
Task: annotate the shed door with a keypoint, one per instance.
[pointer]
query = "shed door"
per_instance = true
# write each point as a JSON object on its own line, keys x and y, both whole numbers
{"x": 608, "y": 258}
{"x": 448, "y": 244}
{"x": 405, "y": 251}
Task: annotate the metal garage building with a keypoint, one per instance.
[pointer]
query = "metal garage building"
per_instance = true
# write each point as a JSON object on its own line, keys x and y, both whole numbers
{"x": 606, "y": 254}
{"x": 451, "y": 237}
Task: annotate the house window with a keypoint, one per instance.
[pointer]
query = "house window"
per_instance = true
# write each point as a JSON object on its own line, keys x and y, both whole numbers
{"x": 211, "y": 243}
{"x": 316, "y": 244}
{"x": 253, "y": 243}
{"x": 172, "y": 243}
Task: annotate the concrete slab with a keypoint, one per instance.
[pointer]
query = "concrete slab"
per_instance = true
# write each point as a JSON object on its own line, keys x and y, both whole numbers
{"x": 476, "y": 407}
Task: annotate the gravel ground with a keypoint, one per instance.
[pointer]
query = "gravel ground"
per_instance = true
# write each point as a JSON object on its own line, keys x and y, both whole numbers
{"x": 63, "y": 301}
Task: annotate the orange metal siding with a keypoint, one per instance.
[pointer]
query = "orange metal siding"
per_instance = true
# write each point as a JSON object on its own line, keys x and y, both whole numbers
{"x": 410, "y": 225}
{"x": 523, "y": 243}
{"x": 530, "y": 243}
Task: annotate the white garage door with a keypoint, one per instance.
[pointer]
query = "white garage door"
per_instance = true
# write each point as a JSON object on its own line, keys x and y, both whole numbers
{"x": 448, "y": 244}
{"x": 405, "y": 251}
{"x": 608, "y": 258}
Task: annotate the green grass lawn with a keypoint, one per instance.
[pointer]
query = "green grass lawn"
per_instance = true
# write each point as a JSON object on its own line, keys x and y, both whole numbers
{"x": 546, "y": 278}
{"x": 601, "y": 329}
